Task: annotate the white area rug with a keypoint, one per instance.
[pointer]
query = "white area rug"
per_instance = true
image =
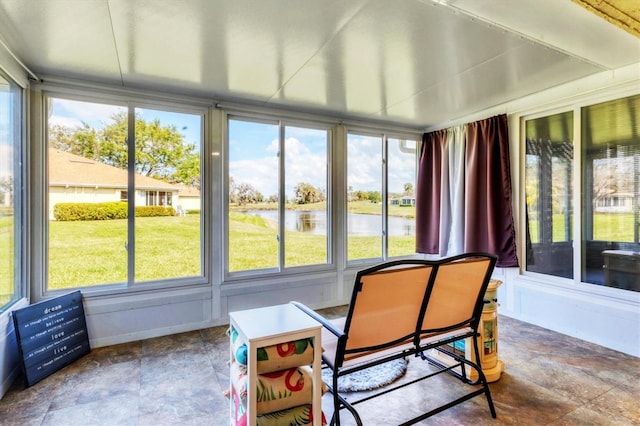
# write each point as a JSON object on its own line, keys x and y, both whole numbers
{"x": 370, "y": 378}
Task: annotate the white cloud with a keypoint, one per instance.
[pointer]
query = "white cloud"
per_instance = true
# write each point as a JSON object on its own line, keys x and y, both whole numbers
{"x": 401, "y": 170}
{"x": 74, "y": 113}
{"x": 364, "y": 163}
{"x": 70, "y": 122}
{"x": 301, "y": 165}
{"x": 304, "y": 165}
{"x": 260, "y": 173}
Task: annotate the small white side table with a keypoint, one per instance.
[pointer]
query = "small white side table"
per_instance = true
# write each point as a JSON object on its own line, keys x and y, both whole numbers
{"x": 272, "y": 325}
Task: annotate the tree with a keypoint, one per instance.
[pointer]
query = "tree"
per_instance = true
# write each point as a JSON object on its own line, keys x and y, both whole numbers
{"x": 243, "y": 193}
{"x": 246, "y": 194}
{"x": 82, "y": 141}
{"x": 374, "y": 196}
{"x": 306, "y": 193}
{"x": 359, "y": 195}
{"x": 161, "y": 152}
{"x": 6, "y": 191}
{"x": 408, "y": 188}
{"x": 188, "y": 171}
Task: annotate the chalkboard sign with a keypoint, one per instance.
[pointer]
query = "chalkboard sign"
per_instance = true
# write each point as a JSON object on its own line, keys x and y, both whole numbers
{"x": 51, "y": 334}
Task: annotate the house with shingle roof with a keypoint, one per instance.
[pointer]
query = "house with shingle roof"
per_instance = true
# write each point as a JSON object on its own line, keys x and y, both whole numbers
{"x": 76, "y": 179}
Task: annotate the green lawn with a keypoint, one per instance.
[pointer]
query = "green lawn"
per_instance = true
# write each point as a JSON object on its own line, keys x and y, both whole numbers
{"x": 93, "y": 252}
{"x": 6, "y": 259}
{"x": 371, "y": 247}
{"x": 606, "y": 227}
{"x": 87, "y": 253}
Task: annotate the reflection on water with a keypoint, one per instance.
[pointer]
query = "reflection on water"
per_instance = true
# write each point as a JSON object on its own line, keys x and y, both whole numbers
{"x": 315, "y": 222}
{"x": 308, "y": 222}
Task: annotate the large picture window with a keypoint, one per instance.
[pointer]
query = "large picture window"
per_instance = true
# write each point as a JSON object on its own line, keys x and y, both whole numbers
{"x": 103, "y": 231}
{"x": 11, "y": 221}
{"x": 609, "y": 147}
{"x": 381, "y": 178}
{"x": 278, "y": 195}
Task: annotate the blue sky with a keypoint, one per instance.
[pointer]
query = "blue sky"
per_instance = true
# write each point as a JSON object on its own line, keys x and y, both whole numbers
{"x": 253, "y": 149}
{"x": 253, "y": 156}
{"x": 6, "y": 132}
{"x": 73, "y": 113}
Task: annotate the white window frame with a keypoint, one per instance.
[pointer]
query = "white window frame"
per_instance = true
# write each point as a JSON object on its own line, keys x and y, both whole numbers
{"x": 130, "y": 100}
{"x": 575, "y": 107}
{"x": 282, "y": 121}
{"x": 385, "y": 136}
{"x": 20, "y": 181}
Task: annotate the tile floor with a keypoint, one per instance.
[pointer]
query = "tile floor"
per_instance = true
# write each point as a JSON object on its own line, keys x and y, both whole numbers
{"x": 550, "y": 379}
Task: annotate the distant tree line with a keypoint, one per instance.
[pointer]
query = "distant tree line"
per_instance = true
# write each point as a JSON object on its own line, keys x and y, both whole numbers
{"x": 376, "y": 196}
{"x": 244, "y": 193}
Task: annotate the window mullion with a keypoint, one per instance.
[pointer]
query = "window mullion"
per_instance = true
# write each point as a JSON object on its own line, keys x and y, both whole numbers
{"x": 385, "y": 205}
{"x": 578, "y": 229}
{"x": 131, "y": 185}
{"x": 281, "y": 196}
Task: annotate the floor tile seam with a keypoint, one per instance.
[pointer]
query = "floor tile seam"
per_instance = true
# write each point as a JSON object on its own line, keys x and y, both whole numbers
{"x": 601, "y": 394}
{"x": 569, "y": 395}
{"x": 87, "y": 368}
{"x": 146, "y": 353}
{"x": 191, "y": 351}
{"x": 86, "y": 403}
{"x": 155, "y": 381}
{"x": 622, "y": 385}
{"x": 29, "y": 417}
{"x": 46, "y": 412}
{"x": 591, "y": 405}
{"x": 209, "y": 349}
{"x": 555, "y": 421}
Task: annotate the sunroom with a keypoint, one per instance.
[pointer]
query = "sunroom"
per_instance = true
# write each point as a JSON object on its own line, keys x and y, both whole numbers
{"x": 293, "y": 131}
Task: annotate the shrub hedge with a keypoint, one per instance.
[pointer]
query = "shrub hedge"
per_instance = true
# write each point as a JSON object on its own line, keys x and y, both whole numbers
{"x": 105, "y": 211}
{"x": 149, "y": 211}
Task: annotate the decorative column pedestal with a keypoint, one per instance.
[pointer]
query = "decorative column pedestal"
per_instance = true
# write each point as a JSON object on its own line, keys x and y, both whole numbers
{"x": 492, "y": 367}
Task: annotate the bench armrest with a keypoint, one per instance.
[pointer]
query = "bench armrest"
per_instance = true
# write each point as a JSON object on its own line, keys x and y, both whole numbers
{"x": 322, "y": 320}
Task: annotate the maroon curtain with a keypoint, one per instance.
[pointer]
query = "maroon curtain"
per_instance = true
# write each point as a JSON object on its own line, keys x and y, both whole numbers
{"x": 488, "y": 212}
{"x": 428, "y": 192}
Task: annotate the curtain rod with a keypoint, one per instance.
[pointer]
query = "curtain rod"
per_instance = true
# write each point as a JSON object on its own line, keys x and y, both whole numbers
{"x": 24, "y": 67}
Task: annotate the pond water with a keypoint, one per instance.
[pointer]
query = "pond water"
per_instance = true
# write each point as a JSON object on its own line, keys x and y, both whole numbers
{"x": 315, "y": 222}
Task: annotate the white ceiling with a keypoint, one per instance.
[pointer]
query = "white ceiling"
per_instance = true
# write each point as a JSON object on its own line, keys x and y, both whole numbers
{"x": 410, "y": 62}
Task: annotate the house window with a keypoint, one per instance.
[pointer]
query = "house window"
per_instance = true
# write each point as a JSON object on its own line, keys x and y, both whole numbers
{"x": 381, "y": 177}
{"x": 609, "y": 210}
{"x": 278, "y": 195}
{"x": 11, "y": 222}
{"x": 157, "y": 198}
{"x": 97, "y": 235}
{"x": 151, "y": 198}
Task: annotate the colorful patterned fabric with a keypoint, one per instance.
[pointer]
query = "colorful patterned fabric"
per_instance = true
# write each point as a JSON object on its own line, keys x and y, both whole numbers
{"x": 275, "y": 357}
{"x": 296, "y": 416}
{"x": 238, "y": 408}
{"x": 238, "y": 348}
{"x": 275, "y": 391}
